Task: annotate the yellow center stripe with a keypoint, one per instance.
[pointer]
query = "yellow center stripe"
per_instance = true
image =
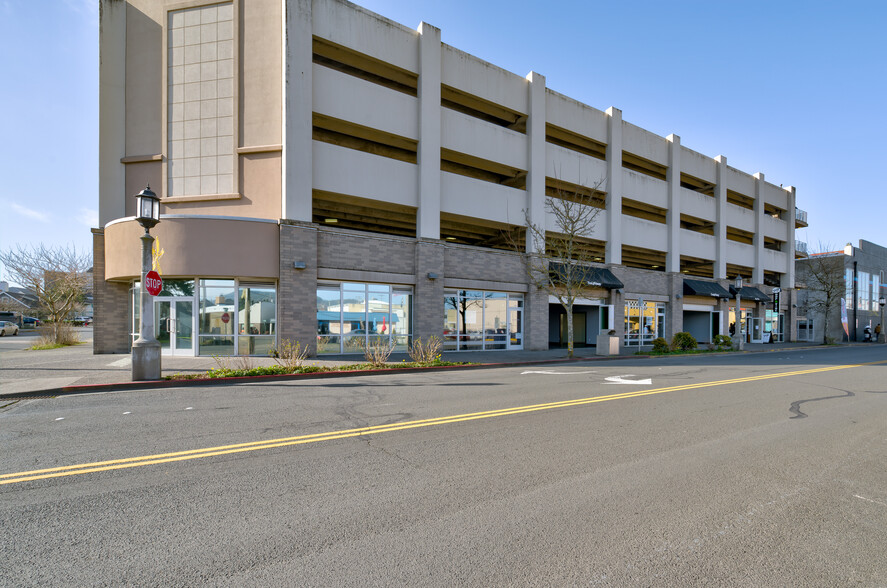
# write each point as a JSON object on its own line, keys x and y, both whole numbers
{"x": 132, "y": 462}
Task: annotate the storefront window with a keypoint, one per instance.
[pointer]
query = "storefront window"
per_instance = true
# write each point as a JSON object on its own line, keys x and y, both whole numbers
{"x": 352, "y": 315}
{"x": 481, "y": 320}
{"x": 217, "y": 320}
{"x": 257, "y": 319}
{"x": 644, "y": 321}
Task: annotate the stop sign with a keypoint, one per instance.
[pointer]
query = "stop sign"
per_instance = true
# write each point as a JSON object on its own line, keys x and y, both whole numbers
{"x": 225, "y": 318}
{"x": 153, "y": 283}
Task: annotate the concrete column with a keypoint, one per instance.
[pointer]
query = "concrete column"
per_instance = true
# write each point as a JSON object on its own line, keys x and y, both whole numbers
{"x": 788, "y": 278}
{"x": 428, "y": 301}
{"x": 297, "y": 288}
{"x": 112, "y": 306}
{"x": 617, "y": 299}
{"x": 536, "y": 319}
{"x": 789, "y": 301}
{"x": 112, "y": 109}
{"x": 536, "y": 156}
{"x": 758, "y": 271}
{"x": 296, "y": 165}
{"x": 428, "y": 215}
{"x": 720, "y": 266}
{"x": 614, "y": 187}
{"x": 673, "y": 216}
{"x": 674, "y": 309}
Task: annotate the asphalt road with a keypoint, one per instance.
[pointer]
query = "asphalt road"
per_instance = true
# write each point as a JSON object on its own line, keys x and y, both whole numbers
{"x": 731, "y": 470}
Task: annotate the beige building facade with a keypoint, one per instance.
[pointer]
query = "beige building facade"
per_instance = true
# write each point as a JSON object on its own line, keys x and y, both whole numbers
{"x": 329, "y": 176}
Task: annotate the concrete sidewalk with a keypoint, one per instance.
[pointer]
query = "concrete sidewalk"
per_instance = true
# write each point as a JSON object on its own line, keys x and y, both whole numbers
{"x": 76, "y": 369}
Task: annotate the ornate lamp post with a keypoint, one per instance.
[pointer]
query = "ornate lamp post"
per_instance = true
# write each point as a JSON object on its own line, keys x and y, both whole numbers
{"x": 738, "y": 343}
{"x": 146, "y": 349}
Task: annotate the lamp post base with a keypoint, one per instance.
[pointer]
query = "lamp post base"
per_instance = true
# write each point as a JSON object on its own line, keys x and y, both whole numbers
{"x": 146, "y": 360}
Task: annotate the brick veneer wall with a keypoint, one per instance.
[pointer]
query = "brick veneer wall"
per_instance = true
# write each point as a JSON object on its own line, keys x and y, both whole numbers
{"x": 366, "y": 252}
{"x": 475, "y": 263}
{"x": 112, "y": 313}
{"x": 297, "y": 288}
{"x": 428, "y": 303}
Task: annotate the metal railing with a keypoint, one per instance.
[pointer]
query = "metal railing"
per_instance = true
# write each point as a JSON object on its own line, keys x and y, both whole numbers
{"x": 800, "y": 215}
{"x": 801, "y": 247}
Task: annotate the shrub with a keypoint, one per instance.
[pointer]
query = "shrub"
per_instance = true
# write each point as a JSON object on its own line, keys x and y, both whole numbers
{"x": 378, "y": 350}
{"x": 290, "y": 354}
{"x": 425, "y": 352}
{"x": 683, "y": 342}
{"x": 722, "y": 342}
{"x": 660, "y": 345}
{"x": 57, "y": 335}
{"x": 239, "y": 363}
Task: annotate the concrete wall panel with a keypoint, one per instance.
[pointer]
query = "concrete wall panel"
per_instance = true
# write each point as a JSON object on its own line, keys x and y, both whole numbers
{"x": 368, "y": 176}
{"x": 345, "y": 97}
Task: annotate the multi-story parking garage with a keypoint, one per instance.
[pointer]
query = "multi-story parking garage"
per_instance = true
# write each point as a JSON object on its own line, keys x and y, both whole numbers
{"x": 328, "y": 175}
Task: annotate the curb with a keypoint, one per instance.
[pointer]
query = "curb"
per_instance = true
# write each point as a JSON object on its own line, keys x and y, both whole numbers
{"x": 233, "y": 381}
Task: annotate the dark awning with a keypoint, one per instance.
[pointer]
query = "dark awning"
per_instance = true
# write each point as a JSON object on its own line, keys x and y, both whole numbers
{"x": 591, "y": 276}
{"x": 703, "y": 288}
{"x": 750, "y": 293}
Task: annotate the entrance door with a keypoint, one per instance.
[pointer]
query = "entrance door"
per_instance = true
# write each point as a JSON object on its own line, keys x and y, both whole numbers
{"x": 578, "y": 330}
{"x": 757, "y": 329}
{"x": 515, "y": 326}
{"x": 174, "y": 325}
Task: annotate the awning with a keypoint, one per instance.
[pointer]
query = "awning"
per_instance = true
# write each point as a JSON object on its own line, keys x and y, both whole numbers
{"x": 750, "y": 293}
{"x": 703, "y": 288}
{"x": 590, "y": 276}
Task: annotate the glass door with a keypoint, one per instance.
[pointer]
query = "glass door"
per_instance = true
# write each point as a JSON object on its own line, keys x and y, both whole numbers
{"x": 757, "y": 329}
{"x": 174, "y": 325}
{"x": 515, "y": 324}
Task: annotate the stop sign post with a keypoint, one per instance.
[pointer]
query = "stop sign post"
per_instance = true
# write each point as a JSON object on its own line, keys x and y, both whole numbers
{"x": 153, "y": 283}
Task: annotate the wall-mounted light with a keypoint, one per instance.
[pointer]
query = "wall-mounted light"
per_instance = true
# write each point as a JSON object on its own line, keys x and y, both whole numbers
{"x": 678, "y": 296}
{"x": 300, "y": 265}
{"x": 432, "y": 276}
{"x": 330, "y": 220}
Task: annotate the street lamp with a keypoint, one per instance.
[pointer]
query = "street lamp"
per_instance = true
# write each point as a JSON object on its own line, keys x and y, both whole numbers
{"x": 146, "y": 349}
{"x": 738, "y": 343}
{"x": 882, "y": 336}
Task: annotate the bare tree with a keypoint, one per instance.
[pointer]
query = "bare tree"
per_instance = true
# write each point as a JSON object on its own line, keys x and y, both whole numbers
{"x": 822, "y": 273}
{"x": 56, "y": 275}
{"x": 559, "y": 259}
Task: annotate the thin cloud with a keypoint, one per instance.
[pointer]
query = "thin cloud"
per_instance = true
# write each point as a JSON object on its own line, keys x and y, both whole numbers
{"x": 30, "y": 213}
{"x": 88, "y": 217}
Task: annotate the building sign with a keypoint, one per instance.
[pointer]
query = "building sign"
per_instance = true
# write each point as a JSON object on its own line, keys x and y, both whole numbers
{"x": 153, "y": 283}
{"x": 776, "y": 293}
{"x": 844, "y": 317}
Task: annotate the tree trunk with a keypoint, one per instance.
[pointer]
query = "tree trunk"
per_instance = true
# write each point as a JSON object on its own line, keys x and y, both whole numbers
{"x": 570, "y": 333}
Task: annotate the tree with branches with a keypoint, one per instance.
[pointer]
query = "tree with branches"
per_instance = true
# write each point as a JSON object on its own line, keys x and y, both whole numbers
{"x": 57, "y": 276}
{"x": 558, "y": 261}
{"x": 822, "y": 275}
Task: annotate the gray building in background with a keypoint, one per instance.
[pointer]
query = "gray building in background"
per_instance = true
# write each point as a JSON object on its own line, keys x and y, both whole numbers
{"x": 863, "y": 269}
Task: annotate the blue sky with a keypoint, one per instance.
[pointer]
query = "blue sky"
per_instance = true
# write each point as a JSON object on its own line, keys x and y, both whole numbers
{"x": 793, "y": 89}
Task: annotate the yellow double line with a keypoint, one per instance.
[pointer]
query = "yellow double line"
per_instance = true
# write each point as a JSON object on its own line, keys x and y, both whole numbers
{"x": 132, "y": 462}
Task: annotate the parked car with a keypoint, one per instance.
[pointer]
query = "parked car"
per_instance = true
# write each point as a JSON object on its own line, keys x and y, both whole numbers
{"x": 30, "y": 322}
{"x": 8, "y": 328}
{"x": 82, "y": 321}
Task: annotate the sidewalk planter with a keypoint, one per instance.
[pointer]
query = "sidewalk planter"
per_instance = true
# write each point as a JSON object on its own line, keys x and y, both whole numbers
{"x": 607, "y": 344}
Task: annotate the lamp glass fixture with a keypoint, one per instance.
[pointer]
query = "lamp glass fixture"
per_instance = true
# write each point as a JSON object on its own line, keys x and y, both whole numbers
{"x": 147, "y": 208}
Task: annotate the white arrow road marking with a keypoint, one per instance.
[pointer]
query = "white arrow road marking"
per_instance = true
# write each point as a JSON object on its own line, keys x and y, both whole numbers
{"x": 553, "y": 373}
{"x": 121, "y": 362}
{"x": 619, "y": 380}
